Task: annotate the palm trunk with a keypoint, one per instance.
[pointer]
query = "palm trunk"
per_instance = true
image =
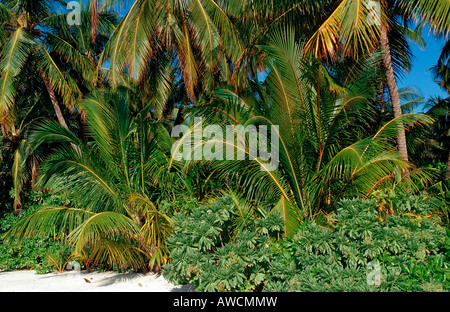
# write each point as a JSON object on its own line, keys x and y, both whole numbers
{"x": 54, "y": 101}
{"x": 57, "y": 109}
{"x": 393, "y": 90}
{"x": 94, "y": 21}
{"x": 382, "y": 100}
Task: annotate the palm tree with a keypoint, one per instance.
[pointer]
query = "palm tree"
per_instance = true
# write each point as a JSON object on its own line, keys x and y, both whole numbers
{"x": 39, "y": 44}
{"x": 197, "y": 34}
{"x": 438, "y": 107}
{"x": 441, "y": 70}
{"x": 438, "y": 137}
{"x": 117, "y": 179}
{"x": 43, "y": 60}
{"x": 351, "y": 30}
{"x": 348, "y": 28}
{"x": 324, "y": 155}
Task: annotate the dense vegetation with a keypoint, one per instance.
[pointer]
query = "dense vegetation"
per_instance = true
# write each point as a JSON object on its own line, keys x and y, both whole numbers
{"x": 87, "y": 164}
{"x": 412, "y": 249}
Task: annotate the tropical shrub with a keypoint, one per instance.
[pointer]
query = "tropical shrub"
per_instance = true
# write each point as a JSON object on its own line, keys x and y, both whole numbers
{"x": 207, "y": 251}
{"x": 5, "y": 177}
{"x": 410, "y": 247}
{"x": 30, "y": 253}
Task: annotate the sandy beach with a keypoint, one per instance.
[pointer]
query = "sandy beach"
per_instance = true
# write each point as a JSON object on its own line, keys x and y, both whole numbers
{"x": 29, "y": 281}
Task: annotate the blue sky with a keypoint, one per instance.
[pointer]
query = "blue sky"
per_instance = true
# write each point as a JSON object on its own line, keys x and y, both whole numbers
{"x": 419, "y": 77}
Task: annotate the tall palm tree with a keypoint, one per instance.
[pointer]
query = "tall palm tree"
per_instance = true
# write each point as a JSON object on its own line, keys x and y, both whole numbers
{"x": 39, "y": 44}
{"x": 43, "y": 60}
{"x": 24, "y": 46}
{"x": 352, "y": 30}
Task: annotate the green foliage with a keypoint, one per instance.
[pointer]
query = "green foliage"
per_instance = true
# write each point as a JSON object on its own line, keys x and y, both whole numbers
{"x": 58, "y": 258}
{"x": 31, "y": 253}
{"x": 111, "y": 148}
{"x": 206, "y": 252}
{"x": 325, "y": 151}
{"x": 5, "y": 176}
{"x": 411, "y": 247}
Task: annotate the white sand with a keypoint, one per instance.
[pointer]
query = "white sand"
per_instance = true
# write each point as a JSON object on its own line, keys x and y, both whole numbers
{"x": 29, "y": 281}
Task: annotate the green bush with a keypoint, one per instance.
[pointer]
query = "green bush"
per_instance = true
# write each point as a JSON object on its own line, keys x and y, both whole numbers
{"x": 6, "y": 181}
{"x": 206, "y": 251}
{"x": 411, "y": 248}
{"x": 30, "y": 253}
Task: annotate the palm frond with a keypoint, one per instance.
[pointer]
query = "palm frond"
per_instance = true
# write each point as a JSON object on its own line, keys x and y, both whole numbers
{"x": 106, "y": 224}
{"x": 49, "y": 221}
{"x": 81, "y": 176}
{"x": 228, "y": 33}
{"x": 72, "y": 55}
{"x": 129, "y": 45}
{"x": 13, "y": 56}
{"x": 291, "y": 216}
{"x": 434, "y": 12}
{"x": 59, "y": 79}
{"x": 118, "y": 254}
{"x": 348, "y": 28}
{"x": 48, "y": 131}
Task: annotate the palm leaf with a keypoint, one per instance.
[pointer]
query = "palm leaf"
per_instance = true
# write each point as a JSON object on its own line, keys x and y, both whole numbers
{"x": 228, "y": 33}
{"x": 72, "y": 55}
{"x": 434, "y": 12}
{"x": 106, "y": 224}
{"x": 47, "y": 222}
{"x": 48, "y": 131}
{"x": 208, "y": 37}
{"x": 81, "y": 176}
{"x": 290, "y": 214}
{"x": 59, "y": 79}
{"x": 347, "y": 27}
{"x": 118, "y": 254}
{"x": 188, "y": 64}
{"x": 129, "y": 45}
{"x": 13, "y": 56}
